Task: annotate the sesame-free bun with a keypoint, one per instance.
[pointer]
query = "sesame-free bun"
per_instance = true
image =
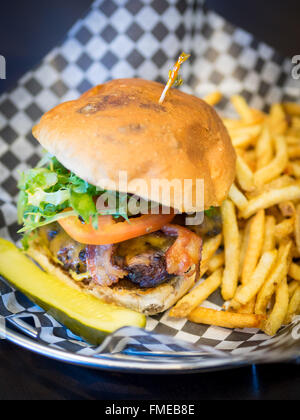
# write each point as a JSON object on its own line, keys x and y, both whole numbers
{"x": 120, "y": 126}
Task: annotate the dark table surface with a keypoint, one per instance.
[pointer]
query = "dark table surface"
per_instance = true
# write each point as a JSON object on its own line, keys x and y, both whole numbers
{"x": 24, "y": 375}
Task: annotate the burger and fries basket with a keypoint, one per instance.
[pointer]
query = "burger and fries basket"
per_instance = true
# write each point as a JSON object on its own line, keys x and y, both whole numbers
{"x": 142, "y": 38}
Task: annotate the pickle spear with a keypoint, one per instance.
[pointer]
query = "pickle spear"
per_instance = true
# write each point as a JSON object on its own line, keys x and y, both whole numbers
{"x": 84, "y": 314}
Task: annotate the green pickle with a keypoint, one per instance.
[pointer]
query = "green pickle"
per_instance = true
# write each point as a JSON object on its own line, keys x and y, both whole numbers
{"x": 84, "y": 314}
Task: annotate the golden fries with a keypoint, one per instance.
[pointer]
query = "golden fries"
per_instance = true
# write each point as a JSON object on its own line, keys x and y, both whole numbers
{"x": 209, "y": 249}
{"x": 250, "y": 289}
{"x": 293, "y": 285}
{"x": 244, "y": 174}
{"x": 287, "y": 209}
{"x": 270, "y": 198}
{"x": 232, "y": 250}
{"x": 277, "y": 120}
{"x": 248, "y": 308}
{"x": 238, "y": 197}
{"x": 246, "y": 136}
{"x": 295, "y": 168}
{"x": 264, "y": 149}
{"x": 198, "y": 295}
{"x": 269, "y": 239}
{"x": 293, "y": 152}
{"x": 297, "y": 227}
{"x": 244, "y": 245}
{"x": 275, "y": 278}
{"x": 294, "y": 271}
{"x": 254, "y": 246}
{"x": 216, "y": 262}
{"x": 213, "y": 98}
{"x": 292, "y": 108}
{"x": 280, "y": 182}
{"x": 237, "y": 129}
{"x": 285, "y": 228}
{"x": 294, "y": 306}
{"x": 276, "y": 166}
{"x": 261, "y": 226}
{"x": 225, "y": 319}
{"x": 292, "y": 140}
{"x": 242, "y": 108}
{"x": 279, "y": 311}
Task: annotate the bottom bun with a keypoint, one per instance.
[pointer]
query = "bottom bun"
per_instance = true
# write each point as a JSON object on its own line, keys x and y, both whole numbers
{"x": 148, "y": 301}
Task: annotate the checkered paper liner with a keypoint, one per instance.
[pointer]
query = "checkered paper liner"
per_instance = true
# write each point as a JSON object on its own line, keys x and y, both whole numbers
{"x": 141, "y": 38}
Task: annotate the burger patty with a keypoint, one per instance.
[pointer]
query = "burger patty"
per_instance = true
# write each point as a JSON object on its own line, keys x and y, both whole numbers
{"x": 143, "y": 258}
{"x": 147, "y": 269}
{"x": 71, "y": 261}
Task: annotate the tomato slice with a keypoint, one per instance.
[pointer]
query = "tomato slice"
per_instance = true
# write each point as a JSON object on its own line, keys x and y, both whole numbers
{"x": 111, "y": 232}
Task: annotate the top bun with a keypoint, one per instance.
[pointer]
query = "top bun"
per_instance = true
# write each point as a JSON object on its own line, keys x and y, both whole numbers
{"x": 120, "y": 126}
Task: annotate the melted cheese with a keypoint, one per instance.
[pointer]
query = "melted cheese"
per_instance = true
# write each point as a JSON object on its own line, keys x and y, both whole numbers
{"x": 142, "y": 244}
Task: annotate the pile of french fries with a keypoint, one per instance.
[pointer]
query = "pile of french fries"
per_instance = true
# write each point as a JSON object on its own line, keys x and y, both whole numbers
{"x": 254, "y": 260}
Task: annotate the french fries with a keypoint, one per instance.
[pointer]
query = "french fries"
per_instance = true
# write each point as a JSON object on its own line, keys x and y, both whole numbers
{"x": 242, "y": 108}
{"x": 248, "y": 308}
{"x": 258, "y": 271}
{"x": 271, "y": 198}
{"x": 238, "y": 197}
{"x": 293, "y": 285}
{"x": 272, "y": 170}
{"x": 275, "y": 278}
{"x": 269, "y": 239}
{"x": 295, "y": 168}
{"x": 292, "y": 108}
{"x": 297, "y": 227}
{"x": 294, "y": 271}
{"x": 293, "y": 152}
{"x": 209, "y": 249}
{"x": 254, "y": 246}
{"x": 264, "y": 149}
{"x": 225, "y": 319}
{"x": 216, "y": 262}
{"x": 244, "y": 245}
{"x": 198, "y": 295}
{"x": 232, "y": 250}
{"x": 213, "y": 98}
{"x": 280, "y": 182}
{"x": 243, "y": 137}
{"x": 287, "y": 209}
{"x": 279, "y": 311}
{"x": 284, "y": 228}
{"x": 292, "y": 140}
{"x": 250, "y": 289}
{"x": 277, "y": 120}
{"x": 244, "y": 174}
{"x": 294, "y": 306}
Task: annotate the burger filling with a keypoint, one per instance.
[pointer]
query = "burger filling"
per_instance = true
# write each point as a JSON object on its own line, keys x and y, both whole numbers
{"x": 58, "y": 210}
{"x": 141, "y": 260}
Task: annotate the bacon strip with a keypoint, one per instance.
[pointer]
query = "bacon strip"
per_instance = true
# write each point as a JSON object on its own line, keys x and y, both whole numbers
{"x": 185, "y": 252}
{"x": 99, "y": 264}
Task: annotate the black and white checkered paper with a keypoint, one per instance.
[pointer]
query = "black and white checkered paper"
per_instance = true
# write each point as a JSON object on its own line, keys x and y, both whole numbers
{"x": 141, "y": 38}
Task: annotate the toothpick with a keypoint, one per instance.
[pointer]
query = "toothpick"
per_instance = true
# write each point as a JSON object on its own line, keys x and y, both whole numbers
{"x": 173, "y": 76}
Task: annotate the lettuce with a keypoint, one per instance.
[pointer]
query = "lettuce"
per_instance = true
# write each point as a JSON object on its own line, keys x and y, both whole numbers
{"x": 47, "y": 191}
{"x": 55, "y": 198}
{"x": 212, "y": 212}
{"x": 51, "y": 192}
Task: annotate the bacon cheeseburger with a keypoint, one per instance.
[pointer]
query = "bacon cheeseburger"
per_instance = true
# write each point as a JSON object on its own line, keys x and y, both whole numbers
{"x": 145, "y": 262}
